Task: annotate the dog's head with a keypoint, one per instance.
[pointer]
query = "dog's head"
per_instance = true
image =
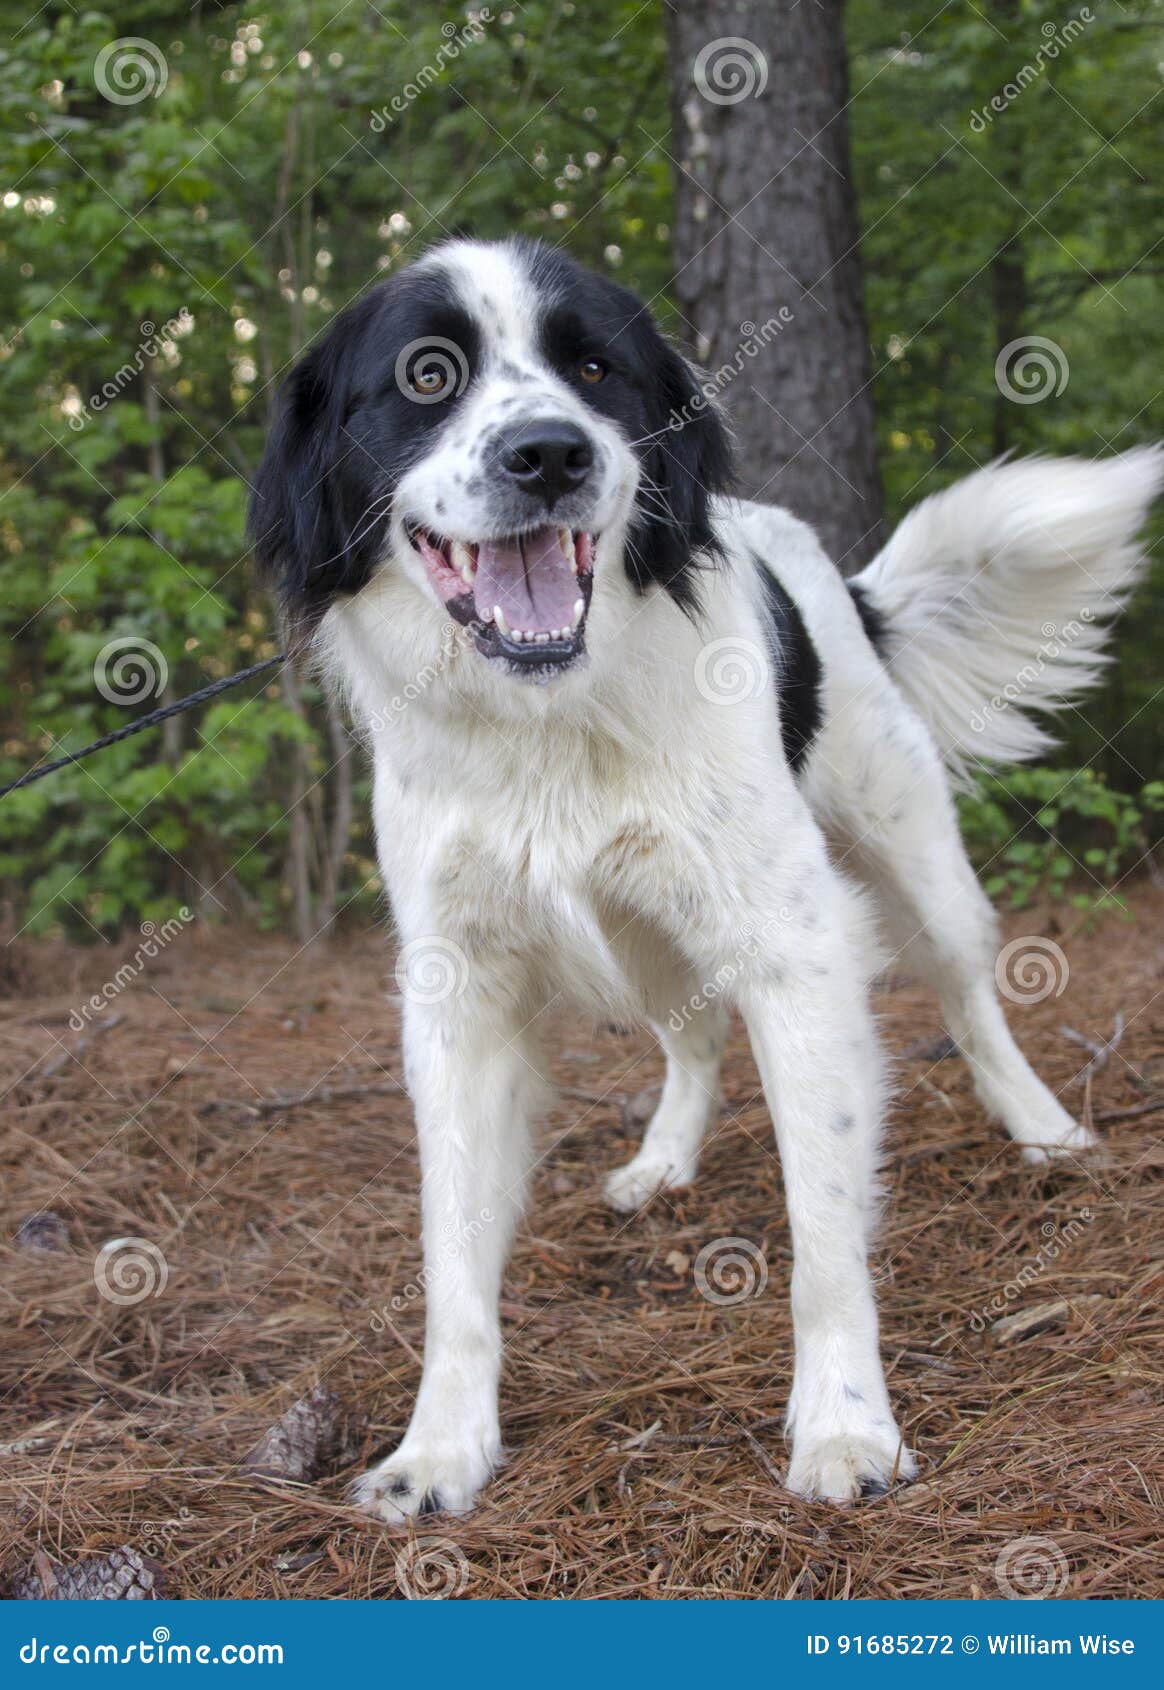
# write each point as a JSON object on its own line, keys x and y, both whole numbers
{"x": 480, "y": 422}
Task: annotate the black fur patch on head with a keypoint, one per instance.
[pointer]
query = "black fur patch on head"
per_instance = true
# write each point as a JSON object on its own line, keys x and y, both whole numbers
{"x": 653, "y": 394}
{"x": 798, "y": 670}
{"x": 346, "y": 428}
{"x": 345, "y": 431}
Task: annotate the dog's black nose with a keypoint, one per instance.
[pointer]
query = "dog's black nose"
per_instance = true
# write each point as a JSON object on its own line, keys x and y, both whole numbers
{"x": 547, "y": 459}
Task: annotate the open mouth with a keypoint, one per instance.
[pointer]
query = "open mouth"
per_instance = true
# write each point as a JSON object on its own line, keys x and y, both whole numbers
{"x": 525, "y": 596}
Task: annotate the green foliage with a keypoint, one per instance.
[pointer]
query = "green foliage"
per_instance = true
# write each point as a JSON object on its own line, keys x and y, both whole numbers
{"x": 1059, "y": 832}
{"x": 164, "y": 259}
{"x": 1049, "y": 208}
{"x": 162, "y": 262}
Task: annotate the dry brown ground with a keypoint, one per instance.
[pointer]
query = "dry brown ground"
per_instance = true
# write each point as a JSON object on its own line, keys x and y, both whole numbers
{"x": 640, "y": 1417}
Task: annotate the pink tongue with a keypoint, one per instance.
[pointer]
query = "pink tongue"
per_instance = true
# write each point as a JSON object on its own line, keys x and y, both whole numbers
{"x": 529, "y": 580}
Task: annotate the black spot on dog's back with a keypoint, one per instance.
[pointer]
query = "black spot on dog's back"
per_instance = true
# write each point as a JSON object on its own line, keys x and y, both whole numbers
{"x": 798, "y": 670}
{"x": 872, "y": 620}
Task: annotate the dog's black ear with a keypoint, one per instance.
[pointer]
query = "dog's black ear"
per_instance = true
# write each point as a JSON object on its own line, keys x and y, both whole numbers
{"x": 313, "y": 488}
{"x": 687, "y": 460}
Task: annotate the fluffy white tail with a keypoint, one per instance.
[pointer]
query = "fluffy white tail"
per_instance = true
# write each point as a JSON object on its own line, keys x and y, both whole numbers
{"x": 997, "y": 596}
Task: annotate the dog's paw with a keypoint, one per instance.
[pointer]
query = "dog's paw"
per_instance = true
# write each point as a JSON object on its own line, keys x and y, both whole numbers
{"x": 423, "y": 1478}
{"x": 629, "y": 1187}
{"x": 849, "y": 1466}
{"x": 1055, "y": 1137}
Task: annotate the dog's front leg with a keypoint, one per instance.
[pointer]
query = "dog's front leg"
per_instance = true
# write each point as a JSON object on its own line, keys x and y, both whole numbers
{"x": 475, "y": 1088}
{"x": 812, "y": 1033}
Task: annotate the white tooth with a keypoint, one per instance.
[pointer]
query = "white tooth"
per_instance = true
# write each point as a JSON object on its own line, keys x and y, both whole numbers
{"x": 487, "y": 616}
{"x": 566, "y": 541}
{"x": 463, "y": 562}
{"x": 542, "y": 639}
{"x": 502, "y": 624}
{"x": 579, "y": 607}
{"x": 516, "y": 635}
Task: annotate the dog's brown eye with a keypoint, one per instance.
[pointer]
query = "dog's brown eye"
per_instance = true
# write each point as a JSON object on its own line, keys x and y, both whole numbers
{"x": 592, "y": 370}
{"x": 429, "y": 381}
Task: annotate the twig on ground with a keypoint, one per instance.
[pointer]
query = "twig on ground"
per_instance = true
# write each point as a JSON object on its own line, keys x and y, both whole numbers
{"x": 1100, "y": 1052}
{"x": 295, "y": 1100}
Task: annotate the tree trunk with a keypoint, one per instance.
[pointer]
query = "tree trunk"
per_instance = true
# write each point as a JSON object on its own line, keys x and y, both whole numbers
{"x": 769, "y": 275}
{"x": 1008, "y": 277}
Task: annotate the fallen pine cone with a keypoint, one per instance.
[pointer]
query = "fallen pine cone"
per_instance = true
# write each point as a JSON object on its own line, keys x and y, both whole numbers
{"x": 43, "y": 1233}
{"x": 124, "y": 1575}
{"x": 315, "y": 1433}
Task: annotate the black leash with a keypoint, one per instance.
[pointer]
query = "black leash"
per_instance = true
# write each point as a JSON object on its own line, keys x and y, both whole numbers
{"x": 142, "y": 722}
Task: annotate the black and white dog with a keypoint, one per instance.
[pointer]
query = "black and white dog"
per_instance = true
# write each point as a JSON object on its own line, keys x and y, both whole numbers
{"x": 638, "y": 748}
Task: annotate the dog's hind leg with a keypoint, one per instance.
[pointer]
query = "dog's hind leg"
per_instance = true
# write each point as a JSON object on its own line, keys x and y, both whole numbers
{"x": 693, "y": 1039}
{"x": 904, "y": 841}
